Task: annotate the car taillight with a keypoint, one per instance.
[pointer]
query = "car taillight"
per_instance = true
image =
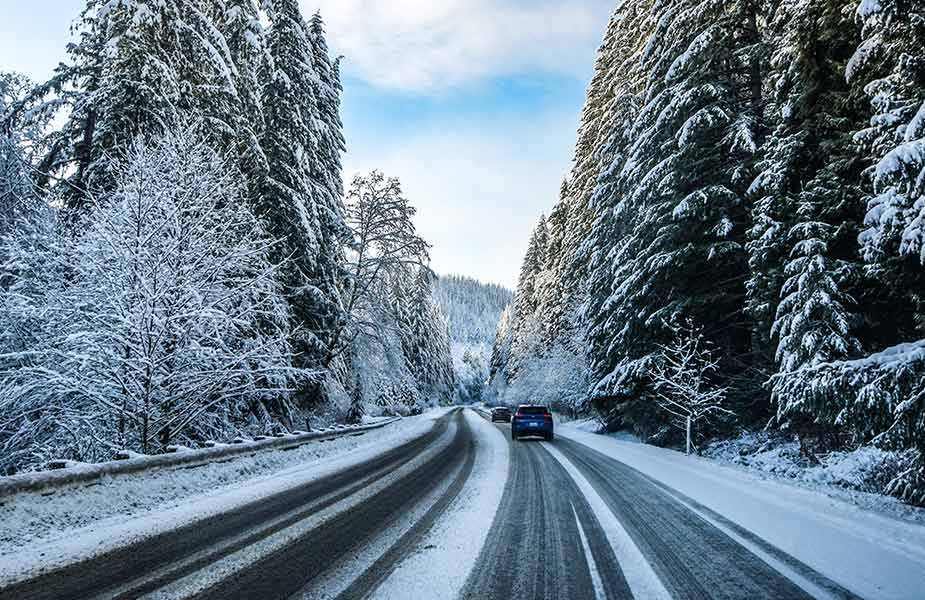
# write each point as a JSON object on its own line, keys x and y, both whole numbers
{"x": 519, "y": 415}
{"x": 547, "y": 416}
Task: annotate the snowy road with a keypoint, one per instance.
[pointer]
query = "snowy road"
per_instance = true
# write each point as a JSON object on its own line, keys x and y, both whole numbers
{"x": 549, "y": 541}
{"x": 455, "y": 510}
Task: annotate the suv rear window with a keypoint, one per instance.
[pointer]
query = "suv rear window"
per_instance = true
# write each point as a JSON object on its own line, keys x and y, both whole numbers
{"x": 532, "y": 410}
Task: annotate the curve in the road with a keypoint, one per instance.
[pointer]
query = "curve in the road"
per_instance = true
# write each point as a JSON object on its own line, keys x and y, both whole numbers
{"x": 546, "y": 540}
{"x": 149, "y": 564}
{"x": 289, "y": 571}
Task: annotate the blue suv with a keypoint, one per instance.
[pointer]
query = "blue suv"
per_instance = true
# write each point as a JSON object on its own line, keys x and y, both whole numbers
{"x": 532, "y": 420}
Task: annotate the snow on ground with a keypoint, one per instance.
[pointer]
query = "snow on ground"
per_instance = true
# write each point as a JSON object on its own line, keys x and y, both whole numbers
{"x": 449, "y": 551}
{"x": 585, "y": 425}
{"x": 73, "y": 521}
{"x": 873, "y": 555}
{"x": 855, "y": 477}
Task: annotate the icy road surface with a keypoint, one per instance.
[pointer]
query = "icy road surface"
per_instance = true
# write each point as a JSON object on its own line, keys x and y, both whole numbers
{"x": 452, "y": 507}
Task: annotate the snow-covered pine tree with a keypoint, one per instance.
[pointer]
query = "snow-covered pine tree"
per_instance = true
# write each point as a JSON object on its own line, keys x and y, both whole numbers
{"x": 889, "y": 65}
{"x": 424, "y": 334}
{"x": 613, "y": 98}
{"x": 677, "y": 193}
{"x": 138, "y": 66}
{"x": 777, "y": 180}
{"x": 68, "y": 150}
{"x": 501, "y": 349}
{"x": 557, "y": 286}
{"x": 879, "y": 398}
{"x": 287, "y": 202}
{"x": 28, "y": 242}
{"x": 19, "y": 142}
{"x": 808, "y": 203}
{"x": 603, "y": 247}
{"x": 813, "y": 319}
{"x": 328, "y": 188}
{"x": 525, "y": 323}
{"x": 562, "y": 288}
{"x": 328, "y": 172}
{"x": 163, "y": 61}
{"x": 239, "y": 22}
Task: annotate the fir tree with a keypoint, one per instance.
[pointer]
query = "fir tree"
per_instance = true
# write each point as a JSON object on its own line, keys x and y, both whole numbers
{"x": 525, "y": 321}
{"x": 813, "y": 323}
{"x": 501, "y": 349}
{"x": 239, "y": 21}
{"x": 890, "y": 67}
{"x": 287, "y": 200}
{"x": 807, "y": 202}
{"x": 424, "y": 334}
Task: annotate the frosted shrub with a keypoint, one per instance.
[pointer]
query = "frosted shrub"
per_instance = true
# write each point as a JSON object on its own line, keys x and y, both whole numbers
{"x": 169, "y": 326}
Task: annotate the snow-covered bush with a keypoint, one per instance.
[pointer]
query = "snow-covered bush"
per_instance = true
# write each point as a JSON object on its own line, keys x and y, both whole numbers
{"x": 879, "y": 399}
{"x": 865, "y": 469}
{"x": 166, "y": 325}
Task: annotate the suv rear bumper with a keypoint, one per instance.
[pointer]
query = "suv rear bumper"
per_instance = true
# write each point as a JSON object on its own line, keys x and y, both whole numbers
{"x": 525, "y": 429}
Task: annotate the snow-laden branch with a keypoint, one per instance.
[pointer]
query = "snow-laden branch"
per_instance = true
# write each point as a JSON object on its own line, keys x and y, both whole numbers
{"x": 682, "y": 377}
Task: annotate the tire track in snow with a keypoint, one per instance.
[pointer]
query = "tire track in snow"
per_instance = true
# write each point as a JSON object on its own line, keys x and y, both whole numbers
{"x": 153, "y": 562}
{"x": 599, "y": 590}
{"x": 640, "y": 577}
{"x": 534, "y": 548}
{"x": 442, "y": 560}
{"x": 690, "y": 555}
{"x": 291, "y": 569}
{"x": 376, "y": 573}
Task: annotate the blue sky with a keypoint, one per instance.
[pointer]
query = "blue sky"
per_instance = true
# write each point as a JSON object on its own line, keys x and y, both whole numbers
{"x": 473, "y": 104}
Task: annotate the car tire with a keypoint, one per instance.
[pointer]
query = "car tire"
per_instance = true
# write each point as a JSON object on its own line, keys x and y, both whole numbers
{"x": 513, "y": 435}
{"x": 550, "y": 437}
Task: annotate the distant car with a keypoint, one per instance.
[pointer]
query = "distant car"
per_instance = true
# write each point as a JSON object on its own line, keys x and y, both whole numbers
{"x": 501, "y": 413}
{"x": 532, "y": 420}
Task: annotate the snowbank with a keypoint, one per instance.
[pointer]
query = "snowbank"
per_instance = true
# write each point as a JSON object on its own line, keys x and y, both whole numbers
{"x": 842, "y": 474}
{"x": 72, "y": 473}
{"x": 871, "y": 554}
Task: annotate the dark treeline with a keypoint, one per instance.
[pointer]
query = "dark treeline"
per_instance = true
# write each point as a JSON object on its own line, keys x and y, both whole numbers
{"x": 755, "y": 168}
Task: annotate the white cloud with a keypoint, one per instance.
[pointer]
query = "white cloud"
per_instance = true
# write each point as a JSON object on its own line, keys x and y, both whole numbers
{"x": 428, "y": 45}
